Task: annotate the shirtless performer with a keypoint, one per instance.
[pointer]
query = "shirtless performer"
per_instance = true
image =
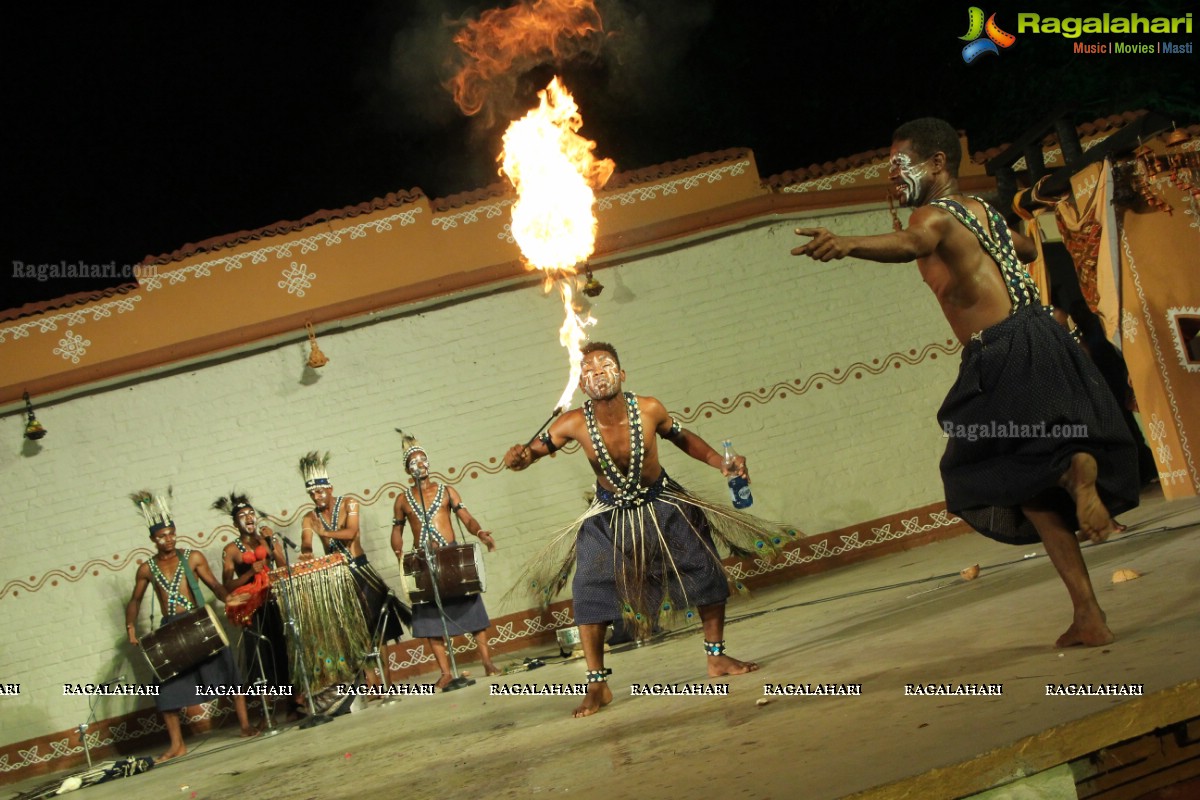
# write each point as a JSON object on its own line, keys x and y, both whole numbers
{"x": 174, "y": 575}
{"x": 335, "y": 521}
{"x": 428, "y": 513}
{"x": 645, "y": 546}
{"x": 1019, "y": 368}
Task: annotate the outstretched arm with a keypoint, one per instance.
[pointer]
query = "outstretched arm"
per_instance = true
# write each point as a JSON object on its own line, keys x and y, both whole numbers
{"x": 520, "y": 456}
{"x": 922, "y": 237}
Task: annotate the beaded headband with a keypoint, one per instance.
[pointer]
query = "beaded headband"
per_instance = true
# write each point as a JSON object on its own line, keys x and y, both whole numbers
{"x": 313, "y": 470}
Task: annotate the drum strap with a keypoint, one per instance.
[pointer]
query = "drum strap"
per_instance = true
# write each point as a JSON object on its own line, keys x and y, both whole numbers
{"x": 193, "y": 584}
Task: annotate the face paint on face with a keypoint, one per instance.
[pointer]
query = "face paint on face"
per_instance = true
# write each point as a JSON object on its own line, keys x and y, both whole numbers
{"x": 246, "y": 520}
{"x": 164, "y": 540}
{"x": 418, "y": 464}
{"x": 600, "y": 377}
{"x": 909, "y": 176}
{"x": 321, "y": 497}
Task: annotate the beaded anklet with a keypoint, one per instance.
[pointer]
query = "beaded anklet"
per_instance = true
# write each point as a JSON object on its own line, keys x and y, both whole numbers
{"x": 714, "y": 648}
{"x": 599, "y": 675}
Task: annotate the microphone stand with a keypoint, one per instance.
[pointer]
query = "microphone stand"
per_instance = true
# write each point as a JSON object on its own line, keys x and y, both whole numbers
{"x": 83, "y": 726}
{"x": 458, "y": 681}
{"x": 268, "y": 708}
{"x": 293, "y": 626}
{"x": 377, "y": 642}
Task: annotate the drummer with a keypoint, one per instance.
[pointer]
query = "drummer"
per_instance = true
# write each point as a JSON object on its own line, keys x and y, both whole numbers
{"x": 174, "y": 574}
{"x": 335, "y": 521}
{"x": 253, "y": 553}
{"x": 427, "y": 506}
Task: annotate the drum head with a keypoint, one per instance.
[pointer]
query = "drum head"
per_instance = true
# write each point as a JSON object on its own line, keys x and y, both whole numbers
{"x": 479, "y": 568}
{"x": 220, "y": 630}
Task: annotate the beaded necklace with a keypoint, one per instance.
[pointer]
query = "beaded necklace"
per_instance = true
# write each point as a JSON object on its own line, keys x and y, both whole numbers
{"x": 629, "y": 491}
{"x": 175, "y": 598}
{"x": 426, "y": 517}
{"x": 330, "y": 527}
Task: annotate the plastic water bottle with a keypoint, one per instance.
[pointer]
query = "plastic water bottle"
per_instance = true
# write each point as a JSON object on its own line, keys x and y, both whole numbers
{"x": 739, "y": 487}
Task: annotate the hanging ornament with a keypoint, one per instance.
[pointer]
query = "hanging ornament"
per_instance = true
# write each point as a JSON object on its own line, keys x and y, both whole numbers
{"x": 316, "y": 359}
{"x": 33, "y": 428}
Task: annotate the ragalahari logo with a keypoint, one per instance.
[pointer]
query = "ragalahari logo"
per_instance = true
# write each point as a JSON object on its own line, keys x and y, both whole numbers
{"x": 976, "y": 27}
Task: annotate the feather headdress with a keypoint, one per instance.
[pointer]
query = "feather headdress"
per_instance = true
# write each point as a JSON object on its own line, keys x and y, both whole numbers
{"x": 313, "y": 468}
{"x": 155, "y": 509}
{"x": 232, "y": 504}
{"x": 411, "y": 446}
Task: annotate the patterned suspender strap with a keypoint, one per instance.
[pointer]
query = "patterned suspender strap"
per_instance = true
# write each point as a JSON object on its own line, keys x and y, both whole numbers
{"x": 628, "y": 485}
{"x": 426, "y": 517}
{"x": 337, "y": 544}
{"x": 175, "y": 598}
{"x": 998, "y": 243}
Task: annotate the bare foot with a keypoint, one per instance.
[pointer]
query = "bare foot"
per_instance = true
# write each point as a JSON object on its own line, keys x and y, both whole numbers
{"x": 597, "y": 697}
{"x": 1091, "y": 631}
{"x": 1080, "y": 482}
{"x": 249, "y": 732}
{"x": 724, "y": 665}
{"x": 444, "y": 681}
{"x": 491, "y": 670}
{"x": 173, "y": 752}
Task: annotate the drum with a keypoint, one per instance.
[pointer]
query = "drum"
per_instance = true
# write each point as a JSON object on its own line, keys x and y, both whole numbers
{"x": 244, "y": 601}
{"x": 333, "y": 636}
{"x": 460, "y": 573}
{"x": 180, "y": 645}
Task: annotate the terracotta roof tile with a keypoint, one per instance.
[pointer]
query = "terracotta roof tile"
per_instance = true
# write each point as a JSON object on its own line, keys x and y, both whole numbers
{"x": 828, "y": 168}
{"x": 657, "y": 172}
{"x": 66, "y": 301}
{"x": 390, "y": 200}
{"x": 490, "y": 192}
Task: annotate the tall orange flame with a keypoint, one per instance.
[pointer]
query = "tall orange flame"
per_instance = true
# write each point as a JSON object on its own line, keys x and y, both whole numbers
{"x": 555, "y": 174}
{"x": 549, "y": 164}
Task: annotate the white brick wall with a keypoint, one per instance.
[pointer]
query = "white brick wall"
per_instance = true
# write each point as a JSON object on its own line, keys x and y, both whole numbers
{"x": 693, "y": 325}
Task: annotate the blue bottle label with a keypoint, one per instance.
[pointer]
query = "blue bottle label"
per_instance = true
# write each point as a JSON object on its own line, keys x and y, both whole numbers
{"x": 739, "y": 488}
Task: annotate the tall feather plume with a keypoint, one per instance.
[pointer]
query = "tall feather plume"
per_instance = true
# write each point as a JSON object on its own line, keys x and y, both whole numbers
{"x": 410, "y": 445}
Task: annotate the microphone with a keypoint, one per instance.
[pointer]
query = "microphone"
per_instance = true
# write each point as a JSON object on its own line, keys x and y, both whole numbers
{"x": 288, "y": 541}
{"x": 414, "y": 469}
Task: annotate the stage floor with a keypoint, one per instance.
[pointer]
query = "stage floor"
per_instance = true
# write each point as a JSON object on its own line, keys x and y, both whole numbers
{"x": 901, "y": 619}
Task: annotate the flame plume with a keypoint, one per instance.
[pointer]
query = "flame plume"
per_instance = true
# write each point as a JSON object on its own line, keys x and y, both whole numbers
{"x": 555, "y": 174}
{"x": 550, "y": 165}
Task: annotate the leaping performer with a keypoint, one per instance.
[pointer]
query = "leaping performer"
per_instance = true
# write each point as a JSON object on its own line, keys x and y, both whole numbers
{"x": 1069, "y": 463}
{"x": 645, "y": 547}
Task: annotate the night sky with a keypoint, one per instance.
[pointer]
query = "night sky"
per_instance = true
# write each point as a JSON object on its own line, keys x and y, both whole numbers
{"x": 134, "y": 129}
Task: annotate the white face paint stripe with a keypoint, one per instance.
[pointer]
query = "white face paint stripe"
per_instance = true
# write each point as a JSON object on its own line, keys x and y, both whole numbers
{"x": 910, "y": 175}
{"x": 602, "y": 370}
